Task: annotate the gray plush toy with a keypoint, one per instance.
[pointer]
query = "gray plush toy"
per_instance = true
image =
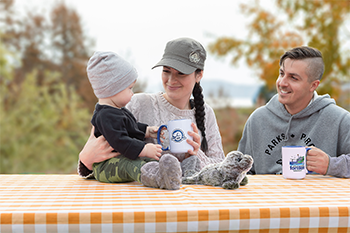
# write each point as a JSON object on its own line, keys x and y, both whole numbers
{"x": 230, "y": 173}
{"x": 165, "y": 174}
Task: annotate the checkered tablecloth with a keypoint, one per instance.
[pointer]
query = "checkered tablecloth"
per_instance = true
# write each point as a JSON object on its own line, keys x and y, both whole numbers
{"x": 269, "y": 203}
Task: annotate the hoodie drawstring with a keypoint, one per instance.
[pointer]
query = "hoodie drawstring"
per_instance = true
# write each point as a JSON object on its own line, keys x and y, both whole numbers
{"x": 287, "y": 132}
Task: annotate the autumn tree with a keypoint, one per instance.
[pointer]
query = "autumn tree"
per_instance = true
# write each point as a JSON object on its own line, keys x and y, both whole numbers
{"x": 43, "y": 122}
{"x": 231, "y": 123}
{"x": 71, "y": 52}
{"x": 26, "y": 40}
{"x": 57, "y": 43}
{"x": 318, "y": 24}
{"x": 40, "y": 131}
{"x": 42, "y": 126}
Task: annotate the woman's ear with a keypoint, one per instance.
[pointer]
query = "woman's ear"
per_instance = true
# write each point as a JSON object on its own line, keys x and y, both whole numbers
{"x": 199, "y": 76}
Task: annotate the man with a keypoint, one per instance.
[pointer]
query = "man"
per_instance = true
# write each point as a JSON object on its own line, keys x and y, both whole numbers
{"x": 297, "y": 115}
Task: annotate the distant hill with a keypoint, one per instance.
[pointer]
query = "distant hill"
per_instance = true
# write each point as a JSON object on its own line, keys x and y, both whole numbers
{"x": 228, "y": 90}
{"x": 218, "y": 93}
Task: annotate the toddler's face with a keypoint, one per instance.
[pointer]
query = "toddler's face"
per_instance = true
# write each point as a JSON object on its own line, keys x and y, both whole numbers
{"x": 122, "y": 98}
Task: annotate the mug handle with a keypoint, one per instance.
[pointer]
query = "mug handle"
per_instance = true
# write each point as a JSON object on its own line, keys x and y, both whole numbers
{"x": 307, "y": 149}
{"x": 158, "y": 136}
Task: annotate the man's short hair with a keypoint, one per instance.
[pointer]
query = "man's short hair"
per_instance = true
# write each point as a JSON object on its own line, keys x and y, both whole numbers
{"x": 312, "y": 56}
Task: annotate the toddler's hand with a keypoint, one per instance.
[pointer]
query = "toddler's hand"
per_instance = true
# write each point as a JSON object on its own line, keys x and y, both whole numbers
{"x": 151, "y": 132}
{"x": 153, "y": 151}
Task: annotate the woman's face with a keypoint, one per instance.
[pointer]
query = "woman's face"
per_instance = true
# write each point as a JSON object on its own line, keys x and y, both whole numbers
{"x": 178, "y": 86}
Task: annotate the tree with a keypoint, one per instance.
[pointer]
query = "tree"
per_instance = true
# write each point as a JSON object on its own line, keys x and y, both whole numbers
{"x": 58, "y": 45}
{"x": 42, "y": 127}
{"x": 26, "y": 39}
{"x": 71, "y": 52}
{"x": 269, "y": 37}
{"x": 48, "y": 139}
{"x": 231, "y": 124}
{"x": 43, "y": 122}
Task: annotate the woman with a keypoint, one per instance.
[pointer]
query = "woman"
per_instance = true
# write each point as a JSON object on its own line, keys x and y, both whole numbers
{"x": 183, "y": 64}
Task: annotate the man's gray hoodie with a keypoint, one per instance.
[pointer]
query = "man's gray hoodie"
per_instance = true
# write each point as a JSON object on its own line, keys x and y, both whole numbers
{"x": 322, "y": 124}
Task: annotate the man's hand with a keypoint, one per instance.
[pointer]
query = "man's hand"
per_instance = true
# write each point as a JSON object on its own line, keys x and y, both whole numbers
{"x": 317, "y": 161}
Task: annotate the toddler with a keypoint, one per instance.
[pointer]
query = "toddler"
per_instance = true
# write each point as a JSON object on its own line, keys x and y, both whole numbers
{"x": 112, "y": 79}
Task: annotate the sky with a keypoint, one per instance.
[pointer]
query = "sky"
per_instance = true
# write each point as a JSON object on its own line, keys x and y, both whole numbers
{"x": 138, "y": 30}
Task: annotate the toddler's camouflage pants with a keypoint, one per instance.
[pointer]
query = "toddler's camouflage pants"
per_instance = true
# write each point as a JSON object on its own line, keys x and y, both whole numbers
{"x": 119, "y": 169}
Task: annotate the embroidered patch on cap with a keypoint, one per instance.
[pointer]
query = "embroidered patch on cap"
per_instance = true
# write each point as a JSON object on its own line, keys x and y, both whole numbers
{"x": 194, "y": 57}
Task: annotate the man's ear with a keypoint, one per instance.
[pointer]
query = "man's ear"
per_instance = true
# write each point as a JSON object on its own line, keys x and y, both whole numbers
{"x": 314, "y": 85}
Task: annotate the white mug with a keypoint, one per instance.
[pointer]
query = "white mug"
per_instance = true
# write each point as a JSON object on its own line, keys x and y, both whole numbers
{"x": 177, "y": 135}
{"x": 294, "y": 162}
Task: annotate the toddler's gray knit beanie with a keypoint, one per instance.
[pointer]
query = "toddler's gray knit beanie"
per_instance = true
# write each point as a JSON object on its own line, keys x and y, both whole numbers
{"x": 109, "y": 74}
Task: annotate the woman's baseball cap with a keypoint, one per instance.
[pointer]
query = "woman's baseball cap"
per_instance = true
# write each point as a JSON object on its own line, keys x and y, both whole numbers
{"x": 184, "y": 55}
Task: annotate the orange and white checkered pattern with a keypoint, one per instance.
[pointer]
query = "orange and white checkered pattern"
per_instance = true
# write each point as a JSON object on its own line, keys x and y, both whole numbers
{"x": 68, "y": 203}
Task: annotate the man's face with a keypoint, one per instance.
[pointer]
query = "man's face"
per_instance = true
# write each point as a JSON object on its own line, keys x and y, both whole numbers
{"x": 293, "y": 87}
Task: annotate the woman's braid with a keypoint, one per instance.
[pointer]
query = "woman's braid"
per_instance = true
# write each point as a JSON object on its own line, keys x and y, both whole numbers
{"x": 200, "y": 113}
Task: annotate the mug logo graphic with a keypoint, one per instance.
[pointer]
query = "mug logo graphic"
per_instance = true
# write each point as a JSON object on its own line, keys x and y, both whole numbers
{"x": 296, "y": 164}
{"x": 178, "y": 136}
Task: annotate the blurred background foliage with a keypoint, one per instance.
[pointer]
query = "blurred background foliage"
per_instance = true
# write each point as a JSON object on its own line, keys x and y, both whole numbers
{"x": 319, "y": 24}
{"x": 46, "y": 100}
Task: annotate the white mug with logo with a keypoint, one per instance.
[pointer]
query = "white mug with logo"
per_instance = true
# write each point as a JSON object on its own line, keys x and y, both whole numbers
{"x": 294, "y": 162}
{"x": 177, "y": 131}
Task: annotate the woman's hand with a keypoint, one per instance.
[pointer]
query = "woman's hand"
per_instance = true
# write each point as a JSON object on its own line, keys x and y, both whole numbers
{"x": 195, "y": 143}
{"x": 96, "y": 150}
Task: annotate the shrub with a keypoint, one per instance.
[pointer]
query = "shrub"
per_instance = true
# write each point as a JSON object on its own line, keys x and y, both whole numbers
{"x": 42, "y": 128}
